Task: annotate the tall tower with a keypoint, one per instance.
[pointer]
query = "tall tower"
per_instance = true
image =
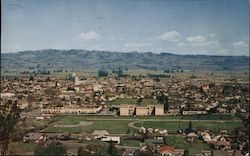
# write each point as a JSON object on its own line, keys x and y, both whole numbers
{"x": 75, "y": 78}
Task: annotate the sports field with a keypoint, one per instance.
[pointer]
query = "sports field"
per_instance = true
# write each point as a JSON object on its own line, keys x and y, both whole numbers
{"x": 172, "y": 126}
{"x": 120, "y": 125}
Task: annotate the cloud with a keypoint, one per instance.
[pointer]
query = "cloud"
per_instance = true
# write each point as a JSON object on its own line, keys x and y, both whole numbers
{"x": 92, "y": 35}
{"x": 18, "y": 47}
{"x": 200, "y": 41}
{"x": 137, "y": 45}
{"x": 212, "y": 35}
{"x": 196, "y": 39}
{"x": 172, "y": 36}
{"x": 211, "y": 44}
{"x": 180, "y": 44}
{"x": 239, "y": 44}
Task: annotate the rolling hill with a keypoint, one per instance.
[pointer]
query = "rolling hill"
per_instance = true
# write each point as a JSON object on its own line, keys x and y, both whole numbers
{"x": 51, "y": 59}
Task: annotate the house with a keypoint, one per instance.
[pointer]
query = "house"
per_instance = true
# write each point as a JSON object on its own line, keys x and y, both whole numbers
{"x": 221, "y": 145}
{"x": 142, "y": 130}
{"x": 167, "y": 151}
{"x": 223, "y": 131}
{"x": 7, "y": 95}
{"x": 174, "y": 111}
{"x": 129, "y": 152}
{"x": 100, "y": 133}
{"x": 206, "y": 137}
{"x": 34, "y": 137}
{"x": 192, "y": 136}
{"x": 97, "y": 87}
{"x": 57, "y": 136}
{"x": 225, "y": 153}
{"x": 114, "y": 139}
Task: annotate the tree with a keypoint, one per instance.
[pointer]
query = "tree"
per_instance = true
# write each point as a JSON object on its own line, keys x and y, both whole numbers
{"x": 190, "y": 127}
{"x": 97, "y": 148}
{"x": 139, "y": 101}
{"x": 111, "y": 149}
{"x": 120, "y": 72}
{"x": 193, "y": 76}
{"x": 150, "y": 151}
{"x": 47, "y": 79}
{"x": 165, "y": 140}
{"x": 7, "y": 124}
{"x": 82, "y": 152}
{"x": 102, "y": 73}
{"x": 186, "y": 153}
{"x": 128, "y": 130}
{"x": 145, "y": 135}
{"x": 167, "y": 71}
{"x": 55, "y": 148}
{"x": 31, "y": 78}
{"x": 163, "y": 99}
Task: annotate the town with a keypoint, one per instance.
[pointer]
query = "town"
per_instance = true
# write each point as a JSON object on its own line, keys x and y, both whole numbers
{"x": 124, "y": 78}
{"x": 181, "y": 114}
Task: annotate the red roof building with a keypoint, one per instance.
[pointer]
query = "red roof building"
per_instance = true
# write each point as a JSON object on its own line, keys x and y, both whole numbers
{"x": 167, "y": 151}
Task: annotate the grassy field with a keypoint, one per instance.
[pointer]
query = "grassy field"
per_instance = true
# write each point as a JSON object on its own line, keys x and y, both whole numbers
{"x": 120, "y": 124}
{"x": 75, "y": 119}
{"x": 112, "y": 126}
{"x": 134, "y": 143}
{"x": 20, "y": 148}
{"x": 172, "y": 126}
{"x": 182, "y": 143}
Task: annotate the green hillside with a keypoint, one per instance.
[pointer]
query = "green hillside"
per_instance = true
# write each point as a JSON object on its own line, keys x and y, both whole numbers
{"x": 81, "y": 59}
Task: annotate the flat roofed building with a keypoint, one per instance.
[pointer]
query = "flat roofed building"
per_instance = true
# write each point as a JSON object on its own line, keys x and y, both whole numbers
{"x": 124, "y": 110}
{"x": 142, "y": 110}
{"x": 193, "y": 112}
{"x": 63, "y": 110}
{"x": 115, "y": 139}
{"x": 159, "y": 110}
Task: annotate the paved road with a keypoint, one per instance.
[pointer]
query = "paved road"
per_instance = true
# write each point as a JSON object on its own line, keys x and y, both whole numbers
{"x": 141, "y": 120}
{"x": 131, "y": 124}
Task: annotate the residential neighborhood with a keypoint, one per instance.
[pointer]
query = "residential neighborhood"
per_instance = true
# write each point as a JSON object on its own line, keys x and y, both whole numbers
{"x": 125, "y": 78}
{"x": 135, "y": 115}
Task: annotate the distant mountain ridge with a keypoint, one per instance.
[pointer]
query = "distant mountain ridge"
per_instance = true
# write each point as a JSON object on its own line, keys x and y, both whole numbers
{"x": 51, "y": 59}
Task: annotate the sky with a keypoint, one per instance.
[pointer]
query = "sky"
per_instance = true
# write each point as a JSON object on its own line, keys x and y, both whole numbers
{"x": 209, "y": 27}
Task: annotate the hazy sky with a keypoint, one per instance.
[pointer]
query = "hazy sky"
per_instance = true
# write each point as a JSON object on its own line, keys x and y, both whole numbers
{"x": 215, "y": 27}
